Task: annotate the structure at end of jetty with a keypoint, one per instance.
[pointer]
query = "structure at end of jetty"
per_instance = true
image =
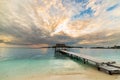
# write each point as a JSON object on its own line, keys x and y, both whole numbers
{"x": 59, "y": 47}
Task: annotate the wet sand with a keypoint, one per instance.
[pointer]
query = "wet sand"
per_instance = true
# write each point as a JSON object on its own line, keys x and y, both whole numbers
{"x": 91, "y": 74}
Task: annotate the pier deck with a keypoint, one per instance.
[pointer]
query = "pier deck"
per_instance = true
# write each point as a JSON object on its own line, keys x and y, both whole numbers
{"x": 107, "y": 66}
{"x": 115, "y": 65}
{"x": 88, "y": 58}
{"x": 109, "y": 69}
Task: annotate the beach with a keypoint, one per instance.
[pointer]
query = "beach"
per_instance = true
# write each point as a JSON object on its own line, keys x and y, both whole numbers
{"x": 39, "y": 64}
{"x": 88, "y": 75}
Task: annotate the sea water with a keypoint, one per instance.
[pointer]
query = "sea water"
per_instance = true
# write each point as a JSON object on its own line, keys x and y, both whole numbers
{"x": 20, "y": 63}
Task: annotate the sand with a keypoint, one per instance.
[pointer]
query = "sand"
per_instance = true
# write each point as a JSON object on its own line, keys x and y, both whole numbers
{"x": 91, "y": 74}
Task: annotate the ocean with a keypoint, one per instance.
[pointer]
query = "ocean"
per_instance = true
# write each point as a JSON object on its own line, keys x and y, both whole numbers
{"x": 43, "y": 64}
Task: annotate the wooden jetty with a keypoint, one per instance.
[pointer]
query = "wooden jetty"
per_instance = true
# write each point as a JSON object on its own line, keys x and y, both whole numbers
{"x": 102, "y": 65}
{"x": 109, "y": 69}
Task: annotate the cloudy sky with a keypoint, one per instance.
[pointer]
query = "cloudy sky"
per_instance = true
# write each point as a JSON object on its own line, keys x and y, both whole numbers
{"x": 35, "y": 23}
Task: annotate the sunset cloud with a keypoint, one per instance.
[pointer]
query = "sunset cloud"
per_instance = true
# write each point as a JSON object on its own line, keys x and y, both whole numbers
{"x": 76, "y": 22}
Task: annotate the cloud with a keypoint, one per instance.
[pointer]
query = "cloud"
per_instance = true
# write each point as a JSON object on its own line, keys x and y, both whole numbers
{"x": 1, "y": 41}
{"x": 35, "y": 22}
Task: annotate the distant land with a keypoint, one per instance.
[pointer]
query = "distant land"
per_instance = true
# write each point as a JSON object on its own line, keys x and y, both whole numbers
{"x": 113, "y": 47}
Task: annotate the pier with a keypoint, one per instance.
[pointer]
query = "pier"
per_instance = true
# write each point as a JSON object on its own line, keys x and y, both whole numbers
{"x": 109, "y": 67}
{"x": 85, "y": 58}
{"x": 101, "y": 65}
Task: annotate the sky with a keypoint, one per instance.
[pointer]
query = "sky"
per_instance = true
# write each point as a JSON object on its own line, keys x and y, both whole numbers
{"x": 36, "y": 23}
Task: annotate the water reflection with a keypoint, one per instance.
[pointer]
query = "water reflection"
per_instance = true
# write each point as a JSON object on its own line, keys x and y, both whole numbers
{"x": 59, "y": 55}
{"x": 21, "y": 53}
{"x": 4, "y": 53}
{"x": 48, "y": 53}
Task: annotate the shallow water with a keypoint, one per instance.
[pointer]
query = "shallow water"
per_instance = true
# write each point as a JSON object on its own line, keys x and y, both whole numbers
{"x": 32, "y": 64}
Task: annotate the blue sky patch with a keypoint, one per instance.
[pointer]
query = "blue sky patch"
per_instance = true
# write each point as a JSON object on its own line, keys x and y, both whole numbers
{"x": 98, "y": 2}
{"x": 81, "y": 1}
{"x": 88, "y": 12}
{"x": 112, "y": 7}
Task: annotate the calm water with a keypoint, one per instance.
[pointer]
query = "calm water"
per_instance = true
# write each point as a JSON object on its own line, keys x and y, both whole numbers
{"x": 16, "y": 63}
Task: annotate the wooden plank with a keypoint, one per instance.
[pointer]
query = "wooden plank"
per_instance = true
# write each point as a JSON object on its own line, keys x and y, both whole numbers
{"x": 109, "y": 69}
{"x": 115, "y": 65}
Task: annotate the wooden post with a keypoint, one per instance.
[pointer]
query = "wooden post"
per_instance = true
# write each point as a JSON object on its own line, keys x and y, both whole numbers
{"x": 55, "y": 49}
{"x": 109, "y": 72}
{"x": 98, "y": 68}
{"x": 84, "y": 61}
